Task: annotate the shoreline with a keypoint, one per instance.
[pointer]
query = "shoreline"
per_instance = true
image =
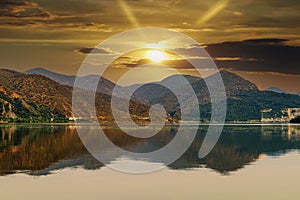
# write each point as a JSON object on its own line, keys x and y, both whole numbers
{"x": 177, "y": 124}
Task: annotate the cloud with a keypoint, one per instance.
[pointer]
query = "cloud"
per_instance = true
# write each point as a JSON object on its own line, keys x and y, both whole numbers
{"x": 19, "y": 9}
{"x": 56, "y": 25}
{"x": 266, "y": 41}
{"x": 259, "y": 55}
{"x": 95, "y": 50}
{"x": 227, "y": 58}
{"x": 131, "y": 62}
{"x": 19, "y": 13}
{"x": 262, "y": 55}
{"x": 18, "y": 24}
{"x": 70, "y": 22}
{"x": 91, "y": 26}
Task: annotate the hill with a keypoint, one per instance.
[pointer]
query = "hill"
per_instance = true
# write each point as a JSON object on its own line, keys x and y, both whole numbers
{"x": 244, "y": 100}
{"x": 39, "y": 90}
{"x": 44, "y": 99}
{"x": 35, "y": 97}
{"x": 104, "y": 86}
{"x": 14, "y": 107}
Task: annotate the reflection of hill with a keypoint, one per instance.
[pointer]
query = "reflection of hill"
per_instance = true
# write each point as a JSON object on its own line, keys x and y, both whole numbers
{"x": 39, "y": 148}
{"x": 239, "y": 146}
{"x": 42, "y": 149}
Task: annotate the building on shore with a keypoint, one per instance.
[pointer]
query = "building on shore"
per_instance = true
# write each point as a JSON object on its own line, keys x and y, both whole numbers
{"x": 286, "y": 115}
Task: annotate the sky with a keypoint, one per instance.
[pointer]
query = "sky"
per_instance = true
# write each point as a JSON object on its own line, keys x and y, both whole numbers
{"x": 258, "y": 40}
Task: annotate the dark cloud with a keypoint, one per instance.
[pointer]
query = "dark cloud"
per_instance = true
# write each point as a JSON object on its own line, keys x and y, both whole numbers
{"x": 18, "y": 9}
{"x": 259, "y": 55}
{"x": 79, "y": 23}
{"x": 94, "y": 51}
{"x": 19, "y": 13}
{"x": 16, "y": 24}
{"x": 266, "y": 41}
{"x": 263, "y": 55}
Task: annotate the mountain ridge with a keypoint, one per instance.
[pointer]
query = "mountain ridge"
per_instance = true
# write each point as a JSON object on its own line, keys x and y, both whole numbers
{"x": 49, "y": 95}
{"x": 87, "y": 82}
{"x": 244, "y": 100}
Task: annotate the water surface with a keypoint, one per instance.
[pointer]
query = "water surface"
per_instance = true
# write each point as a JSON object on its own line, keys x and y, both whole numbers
{"x": 249, "y": 161}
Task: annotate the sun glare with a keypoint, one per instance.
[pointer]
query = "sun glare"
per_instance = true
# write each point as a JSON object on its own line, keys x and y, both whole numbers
{"x": 156, "y": 55}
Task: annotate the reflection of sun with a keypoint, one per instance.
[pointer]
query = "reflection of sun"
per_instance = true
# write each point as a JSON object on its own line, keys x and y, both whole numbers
{"x": 156, "y": 55}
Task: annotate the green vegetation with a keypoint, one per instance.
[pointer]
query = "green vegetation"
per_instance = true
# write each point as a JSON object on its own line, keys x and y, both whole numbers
{"x": 17, "y": 110}
{"x": 35, "y": 98}
{"x": 248, "y": 105}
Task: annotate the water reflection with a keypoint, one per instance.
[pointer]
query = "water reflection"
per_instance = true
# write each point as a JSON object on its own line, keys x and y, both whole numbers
{"x": 41, "y": 149}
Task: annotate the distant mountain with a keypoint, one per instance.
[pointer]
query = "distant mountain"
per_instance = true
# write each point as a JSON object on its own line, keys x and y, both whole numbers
{"x": 244, "y": 100}
{"x": 233, "y": 83}
{"x": 171, "y": 80}
{"x": 60, "y": 78}
{"x": 152, "y": 92}
{"x": 277, "y": 90}
{"x": 39, "y": 98}
{"x": 104, "y": 86}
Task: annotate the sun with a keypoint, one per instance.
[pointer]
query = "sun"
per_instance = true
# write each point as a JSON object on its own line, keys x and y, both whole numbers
{"x": 156, "y": 55}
